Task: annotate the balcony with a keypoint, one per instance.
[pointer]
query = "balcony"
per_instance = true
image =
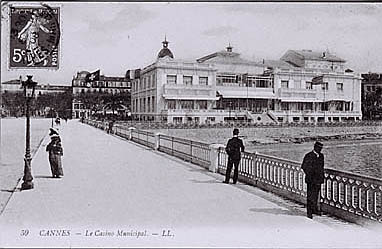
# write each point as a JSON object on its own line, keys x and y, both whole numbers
{"x": 246, "y": 92}
{"x": 297, "y": 95}
{"x": 333, "y": 96}
{"x": 197, "y": 92}
{"x": 313, "y": 113}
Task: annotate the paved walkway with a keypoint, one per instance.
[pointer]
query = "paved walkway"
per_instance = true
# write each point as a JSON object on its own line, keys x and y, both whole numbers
{"x": 119, "y": 194}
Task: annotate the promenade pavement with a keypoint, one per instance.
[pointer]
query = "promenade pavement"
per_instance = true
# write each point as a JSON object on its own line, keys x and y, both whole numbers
{"x": 116, "y": 193}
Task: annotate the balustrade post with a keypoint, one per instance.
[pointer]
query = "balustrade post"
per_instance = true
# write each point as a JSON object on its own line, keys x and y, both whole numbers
{"x": 131, "y": 129}
{"x": 157, "y": 140}
{"x": 214, "y": 157}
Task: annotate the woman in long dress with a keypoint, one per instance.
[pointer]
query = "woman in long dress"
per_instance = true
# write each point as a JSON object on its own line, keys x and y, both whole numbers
{"x": 55, "y": 152}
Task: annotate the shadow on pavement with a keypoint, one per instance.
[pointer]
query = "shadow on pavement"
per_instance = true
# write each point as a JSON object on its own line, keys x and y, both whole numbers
{"x": 197, "y": 170}
{"x": 207, "y": 181}
{"x": 277, "y": 211}
{"x": 11, "y": 190}
{"x": 43, "y": 177}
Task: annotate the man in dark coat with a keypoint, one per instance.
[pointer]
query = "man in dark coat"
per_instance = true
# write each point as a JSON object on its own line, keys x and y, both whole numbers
{"x": 313, "y": 166}
{"x": 234, "y": 147}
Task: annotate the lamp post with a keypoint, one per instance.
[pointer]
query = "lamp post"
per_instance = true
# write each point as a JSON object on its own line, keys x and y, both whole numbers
{"x": 29, "y": 88}
{"x": 52, "y": 113}
{"x": 230, "y": 106}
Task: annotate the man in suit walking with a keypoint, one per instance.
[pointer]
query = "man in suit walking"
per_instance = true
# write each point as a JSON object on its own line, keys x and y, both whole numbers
{"x": 313, "y": 167}
{"x": 234, "y": 147}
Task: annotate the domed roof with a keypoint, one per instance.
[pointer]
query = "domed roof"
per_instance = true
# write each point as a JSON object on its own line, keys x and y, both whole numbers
{"x": 165, "y": 51}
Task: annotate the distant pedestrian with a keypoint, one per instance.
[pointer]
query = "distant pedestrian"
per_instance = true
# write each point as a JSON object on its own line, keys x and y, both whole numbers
{"x": 234, "y": 148}
{"x": 55, "y": 152}
{"x": 110, "y": 129}
{"x": 57, "y": 121}
{"x": 313, "y": 166}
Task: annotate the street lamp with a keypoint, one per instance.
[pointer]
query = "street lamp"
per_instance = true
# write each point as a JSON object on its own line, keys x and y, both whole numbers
{"x": 29, "y": 88}
{"x": 230, "y": 106}
{"x": 52, "y": 113}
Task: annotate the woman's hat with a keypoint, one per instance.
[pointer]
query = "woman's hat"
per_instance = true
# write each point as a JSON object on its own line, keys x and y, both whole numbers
{"x": 53, "y": 132}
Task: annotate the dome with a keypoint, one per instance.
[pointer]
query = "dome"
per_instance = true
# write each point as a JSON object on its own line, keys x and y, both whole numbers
{"x": 165, "y": 51}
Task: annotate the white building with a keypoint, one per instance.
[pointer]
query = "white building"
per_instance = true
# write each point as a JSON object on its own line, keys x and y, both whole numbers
{"x": 174, "y": 91}
{"x": 336, "y": 98}
{"x": 243, "y": 88}
{"x": 105, "y": 84}
{"x": 222, "y": 86}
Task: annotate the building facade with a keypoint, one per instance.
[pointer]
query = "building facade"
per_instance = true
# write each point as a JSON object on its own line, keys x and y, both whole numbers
{"x": 244, "y": 90}
{"x": 372, "y": 96}
{"x": 336, "y": 97}
{"x": 105, "y": 84}
{"x": 174, "y": 91}
{"x": 222, "y": 87}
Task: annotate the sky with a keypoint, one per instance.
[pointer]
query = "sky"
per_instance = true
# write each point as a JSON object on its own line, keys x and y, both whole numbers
{"x": 115, "y": 37}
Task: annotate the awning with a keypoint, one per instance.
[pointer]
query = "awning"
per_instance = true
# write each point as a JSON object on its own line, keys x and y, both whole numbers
{"x": 300, "y": 100}
{"x": 182, "y": 97}
{"x": 338, "y": 99}
{"x": 243, "y": 94}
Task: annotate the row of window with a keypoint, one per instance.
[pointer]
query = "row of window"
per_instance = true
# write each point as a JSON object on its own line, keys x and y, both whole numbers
{"x": 326, "y": 66}
{"x": 148, "y": 81}
{"x": 309, "y": 85}
{"x": 179, "y": 120}
{"x": 111, "y": 84}
{"x": 187, "y": 80}
{"x": 144, "y": 104}
{"x": 187, "y": 104}
{"x": 103, "y": 83}
{"x": 338, "y": 106}
{"x": 104, "y": 90}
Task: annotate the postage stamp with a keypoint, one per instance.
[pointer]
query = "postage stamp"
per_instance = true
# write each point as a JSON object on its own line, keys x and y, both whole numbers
{"x": 34, "y": 37}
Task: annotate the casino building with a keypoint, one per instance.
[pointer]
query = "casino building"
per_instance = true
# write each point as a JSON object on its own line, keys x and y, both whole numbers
{"x": 222, "y": 86}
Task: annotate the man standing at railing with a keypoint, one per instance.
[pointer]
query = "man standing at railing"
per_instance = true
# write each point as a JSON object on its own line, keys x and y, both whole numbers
{"x": 313, "y": 166}
{"x": 234, "y": 147}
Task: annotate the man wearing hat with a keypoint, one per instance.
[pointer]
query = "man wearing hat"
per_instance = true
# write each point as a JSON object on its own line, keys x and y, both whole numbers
{"x": 313, "y": 167}
{"x": 234, "y": 147}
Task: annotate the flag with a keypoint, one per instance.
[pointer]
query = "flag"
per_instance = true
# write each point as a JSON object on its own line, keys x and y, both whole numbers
{"x": 318, "y": 80}
{"x": 93, "y": 76}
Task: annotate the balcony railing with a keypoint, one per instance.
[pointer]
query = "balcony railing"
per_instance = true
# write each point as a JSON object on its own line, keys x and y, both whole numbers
{"x": 192, "y": 151}
{"x": 188, "y": 90}
{"x": 297, "y": 93}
